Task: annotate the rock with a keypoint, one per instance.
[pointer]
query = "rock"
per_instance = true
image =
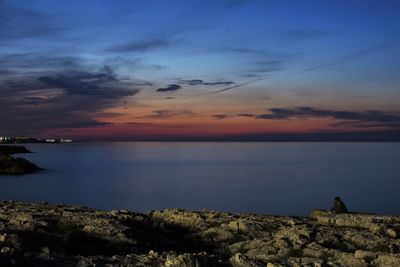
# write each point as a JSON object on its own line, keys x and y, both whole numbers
{"x": 84, "y": 263}
{"x": 15, "y": 166}
{"x": 6, "y": 250}
{"x": 239, "y": 260}
{"x": 392, "y": 232}
{"x": 2, "y": 238}
{"x": 394, "y": 248}
{"x": 42, "y": 234}
{"x": 189, "y": 260}
{"x": 45, "y": 254}
{"x": 365, "y": 255}
{"x": 22, "y": 218}
{"x": 387, "y": 260}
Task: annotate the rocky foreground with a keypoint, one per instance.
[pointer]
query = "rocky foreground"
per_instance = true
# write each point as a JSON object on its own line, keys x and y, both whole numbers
{"x": 47, "y": 235}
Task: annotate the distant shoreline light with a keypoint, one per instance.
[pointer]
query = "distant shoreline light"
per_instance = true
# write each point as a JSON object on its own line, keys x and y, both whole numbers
{"x": 25, "y": 140}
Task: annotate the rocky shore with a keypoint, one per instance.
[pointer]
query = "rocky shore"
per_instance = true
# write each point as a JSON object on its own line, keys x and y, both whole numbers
{"x": 11, "y": 149}
{"x": 15, "y": 166}
{"x": 58, "y": 235}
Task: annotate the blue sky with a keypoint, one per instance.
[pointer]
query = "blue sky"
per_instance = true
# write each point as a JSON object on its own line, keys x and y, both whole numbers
{"x": 251, "y": 56}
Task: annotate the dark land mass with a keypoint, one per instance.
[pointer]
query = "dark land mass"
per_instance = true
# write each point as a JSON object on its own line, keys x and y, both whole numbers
{"x": 32, "y": 140}
{"x": 10, "y": 149}
{"x": 15, "y": 166}
{"x": 58, "y": 235}
{"x": 362, "y": 136}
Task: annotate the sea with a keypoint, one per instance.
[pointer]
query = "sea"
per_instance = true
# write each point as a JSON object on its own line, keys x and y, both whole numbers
{"x": 281, "y": 178}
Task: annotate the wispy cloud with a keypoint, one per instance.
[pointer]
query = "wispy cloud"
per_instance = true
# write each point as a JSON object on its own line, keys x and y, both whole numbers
{"x": 350, "y": 57}
{"x": 219, "y": 116}
{"x": 236, "y": 86}
{"x": 195, "y": 82}
{"x": 85, "y": 83}
{"x": 141, "y": 45}
{"x": 169, "y": 88}
{"x": 247, "y": 115}
{"x": 36, "y": 62}
{"x": 266, "y": 66}
{"x": 227, "y": 88}
{"x": 369, "y": 118}
{"x": 166, "y": 114}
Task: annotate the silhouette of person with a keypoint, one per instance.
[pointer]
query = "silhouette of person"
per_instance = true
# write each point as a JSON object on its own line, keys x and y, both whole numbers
{"x": 339, "y": 206}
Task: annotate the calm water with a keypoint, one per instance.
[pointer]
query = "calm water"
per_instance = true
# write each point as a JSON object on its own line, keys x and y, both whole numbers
{"x": 275, "y": 178}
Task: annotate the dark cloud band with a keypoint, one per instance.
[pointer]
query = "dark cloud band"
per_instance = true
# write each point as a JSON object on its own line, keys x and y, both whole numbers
{"x": 169, "y": 88}
{"x": 370, "y": 118}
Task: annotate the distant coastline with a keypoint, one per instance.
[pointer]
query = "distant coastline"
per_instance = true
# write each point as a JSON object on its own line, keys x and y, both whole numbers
{"x": 362, "y": 136}
{"x": 30, "y": 140}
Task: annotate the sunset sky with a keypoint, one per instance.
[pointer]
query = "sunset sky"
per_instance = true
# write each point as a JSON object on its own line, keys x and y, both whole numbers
{"x": 247, "y": 69}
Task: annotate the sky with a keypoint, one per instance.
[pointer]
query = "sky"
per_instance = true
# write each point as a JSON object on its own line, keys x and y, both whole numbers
{"x": 199, "y": 70}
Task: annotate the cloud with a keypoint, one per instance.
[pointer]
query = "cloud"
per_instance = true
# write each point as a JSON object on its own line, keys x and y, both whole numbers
{"x": 361, "y": 124}
{"x": 266, "y": 66}
{"x": 237, "y": 85}
{"x": 244, "y": 50}
{"x": 133, "y": 63}
{"x": 369, "y": 118}
{"x": 219, "y": 116}
{"x": 85, "y": 83}
{"x": 219, "y": 83}
{"x": 195, "y": 82}
{"x": 141, "y": 46}
{"x": 166, "y": 113}
{"x": 37, "y": 103}
{"x": 29, "y": 62}
{"x": 192, "y": 82}
{"x": 247, "y": 115}
{"x": 169, "y": 88}
{"x": 228, "y": 88}
{"x": 137, "y": 123}
{"x": 351, "y": 57}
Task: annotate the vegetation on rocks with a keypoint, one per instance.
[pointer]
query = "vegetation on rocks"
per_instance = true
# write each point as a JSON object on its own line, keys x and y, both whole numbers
{"x": 47, "y": 235}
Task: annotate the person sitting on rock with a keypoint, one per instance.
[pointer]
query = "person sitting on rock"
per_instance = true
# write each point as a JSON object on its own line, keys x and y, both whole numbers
{"x": 339, "y": 206}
